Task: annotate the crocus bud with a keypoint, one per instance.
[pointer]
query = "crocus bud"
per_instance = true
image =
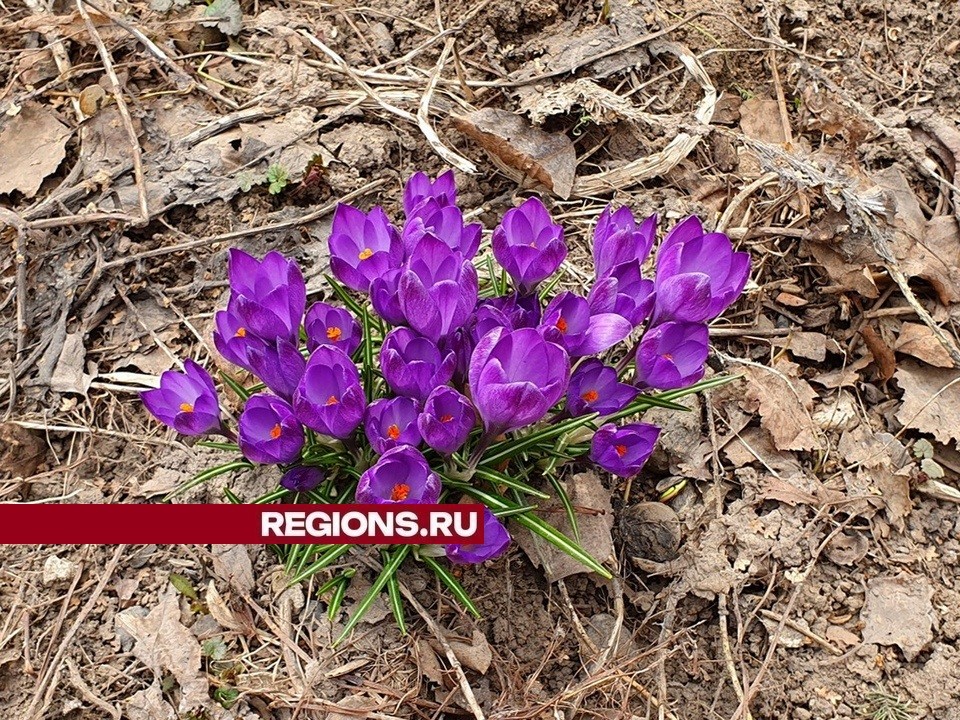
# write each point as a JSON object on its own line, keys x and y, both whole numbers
{"x": 528, "y": 245}
{"x": 302, "y": 478}
{"x": 618, "y": 239}
{"x": 419, "y": 189}
{"x": 413, "y": 365}
{"x": 329, "y": 398}
{"x": 268, "y": 295}
{"x": 279, "y": 364}
{"x": 496, "y": 539}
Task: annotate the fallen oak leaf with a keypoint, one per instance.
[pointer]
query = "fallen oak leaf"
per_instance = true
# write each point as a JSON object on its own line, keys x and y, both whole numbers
{"x": 931, "y": 400}
{"x": 524, "y": 151}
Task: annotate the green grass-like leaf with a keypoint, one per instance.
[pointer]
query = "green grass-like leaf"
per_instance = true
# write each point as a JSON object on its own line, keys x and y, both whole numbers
{"x": 209, "y": 474}
{"x": 327, "y": 557}
{"x": 452, "y": 584}
{"x": 239, "y": 389}
{"x": 396, "y": 601}
{"x": 498, "y": 478}
{"x": 567, "y": 506}
{"x": 396, "y": 558}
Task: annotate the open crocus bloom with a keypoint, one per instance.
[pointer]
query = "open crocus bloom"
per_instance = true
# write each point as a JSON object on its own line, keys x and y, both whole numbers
{"x": 623, "y": 450}
{"x": 672, "y": 355}
{"x": 185, "y": 401}
{"x": 446, "y": 420}
{"x": 594, "y": 387}
{"x": 568, "y": 321}
{"x": 401, "y": 475}
{"x": 390, "y": 422}
{"x": 333, "y": 326}
{"x": 269, "y": 431}
{"x": 363, "y": 246}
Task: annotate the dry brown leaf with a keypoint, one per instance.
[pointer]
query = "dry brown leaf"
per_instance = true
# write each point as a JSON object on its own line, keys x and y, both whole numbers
{"x": 163, "y": 643}
{"x": 32, "y": 145}
{"x": 69, "y": 374}
{"x": 810, "y": 345}
{"x": 931, "y": 400}
{"x": 760, "y": 120}
{"x": 784, "y": 405}
{"x": 232, "y": 563}
{"x": 920, "y": 342}
{"x": 149, "y": 704}
{"x": 475, "y": 654}
{"x": 587, "y": 493}
{"x": 21, "y": 452}
{"x": 882, "y": 353}
{"x": 548, "y": 158}
{"x": 926, "y": 249}
{"x": 774, "y": 488}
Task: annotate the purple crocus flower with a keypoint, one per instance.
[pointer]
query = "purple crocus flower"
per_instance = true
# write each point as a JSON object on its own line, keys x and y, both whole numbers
{"x": 446, "y": 420}
{"x": 363, "y": 246}
{"x": 269, "y": 431}
{"x": 528, "y": 245}
{"x": 268, "y": 296}
{"x": 568, "y": 321}
{"x": 672, "y": 355}
{"x": 279, "y": 365}
{"x": 401, "y": 475}
{"x": 329, "y": 325}
{"x": 419, "y": 188}
{"x": 594, "y": 387}
{"x": 329, "y": 398}
{"x": 617, "y": 239}
{"x": 444, "y": 223}
{"x": 412, "y": 365}
{"x": 384, "y": 296}
{"x": 623, "y": 450}
{"x": 516, "y": 376}
{"x": 390, "y": 422}
{"x": 496, "y": 539}
{"x": 699, "y": 277}
{"x": 302, "y": 478}
{"x": 185, "y": 401}
{"x": 438, "y": 289}
{"x": 232, "y": 339}
{"x": 625, "y": 292}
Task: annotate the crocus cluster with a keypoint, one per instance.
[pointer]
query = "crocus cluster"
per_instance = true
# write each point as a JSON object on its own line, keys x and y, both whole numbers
{"x": 459, "y": 364}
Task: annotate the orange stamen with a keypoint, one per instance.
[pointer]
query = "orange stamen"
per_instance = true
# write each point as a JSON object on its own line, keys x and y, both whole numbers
{"x": 400, "y": 492}
{"x": 562, "y": 325}
{"x": 275, "y": 431}
{"x": 186, "y": 407}
{"x": 334, "y": 333}
{"x": 332, "y": 400}
{"x": 621, "y": 450}
{"x": 590, "y": 396}
{"x": 365, "y": 253}
{"x": 241, "y": 332}
{"x": 446, "y": 418}
{"x": 393, "y": 432}
{"x": 667, "y": 356}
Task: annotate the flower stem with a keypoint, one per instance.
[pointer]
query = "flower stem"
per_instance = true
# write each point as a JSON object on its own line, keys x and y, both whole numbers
{"x": 478, "y": 451}
{"x": 227, "y": 433}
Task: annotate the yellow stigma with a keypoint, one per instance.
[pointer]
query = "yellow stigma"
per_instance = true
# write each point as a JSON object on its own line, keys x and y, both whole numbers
{"x": 365, "y": 253}
{"x": 332, "y": 400}
{"x": 333, "y": 334}
{"x": 590, "y": 396}
{"x": 667, "y": 356}
{"x": 393, "y": 432}
{"x": 186, "y": 407}
{"x": 275, "y": 431}
{"x": 400, "y": 492}
{"x": 241, "y": 332}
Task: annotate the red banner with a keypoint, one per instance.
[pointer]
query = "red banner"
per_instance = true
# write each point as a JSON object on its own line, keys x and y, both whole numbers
{"x": 204, "y": 524}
